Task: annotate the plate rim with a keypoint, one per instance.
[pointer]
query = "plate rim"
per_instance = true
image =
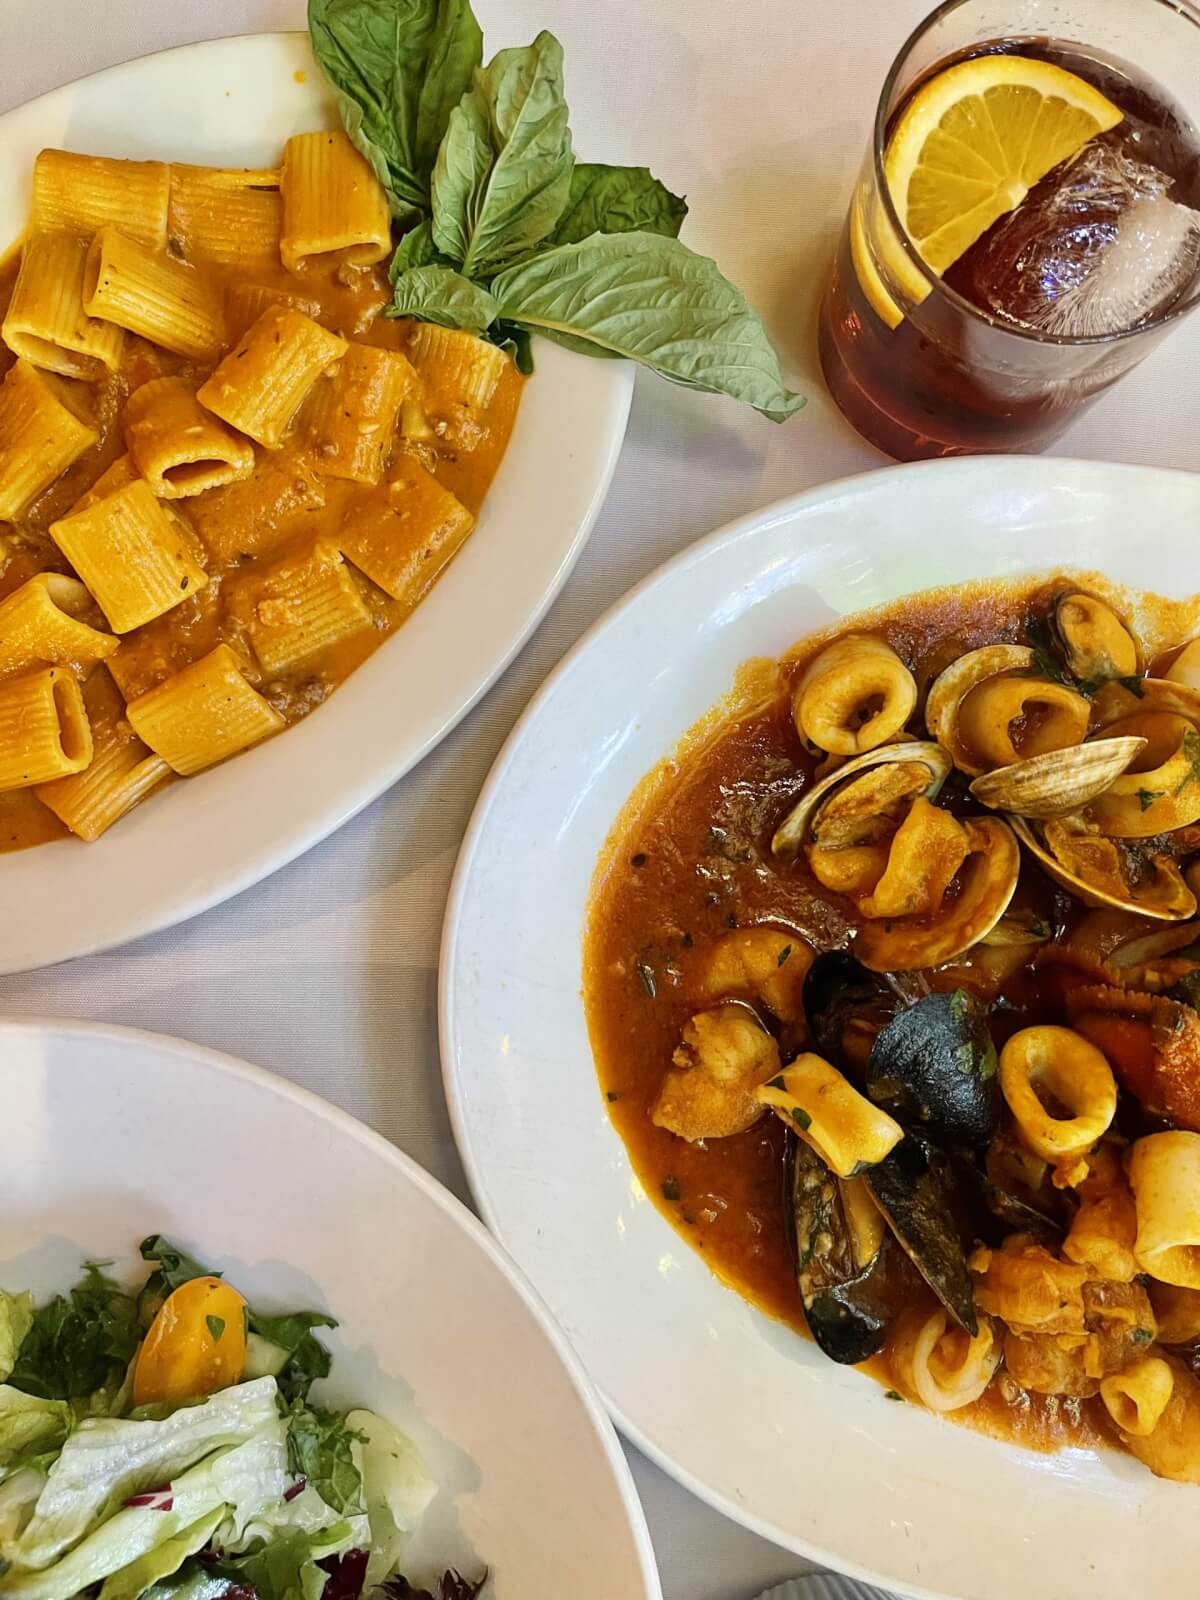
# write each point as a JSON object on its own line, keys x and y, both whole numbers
{"x": 784, "y": 508}
{"x": 356, "y": 797}
{"x": 227, "y": 1066}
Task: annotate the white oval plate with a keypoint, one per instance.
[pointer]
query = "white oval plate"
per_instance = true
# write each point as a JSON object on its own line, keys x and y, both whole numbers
{"x": 741, "y": 1410}
{"x": 112, "y": 1134}
{"x": 236, "y": 101}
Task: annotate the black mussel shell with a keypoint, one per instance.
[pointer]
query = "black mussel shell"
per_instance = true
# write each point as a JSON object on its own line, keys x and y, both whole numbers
{"x": 847, "y": 1314}
{"x": 914, "y": 1186}
{"x": 846, "y": 1006}
{"x": 934, "y": 1069}
{"x": 1015, "y": 1216}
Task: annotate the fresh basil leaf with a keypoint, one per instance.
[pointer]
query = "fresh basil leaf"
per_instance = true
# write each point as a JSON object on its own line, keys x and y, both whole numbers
{"x": 175, "y": 1266}
{"x": 319, "y": 1451}
{"x": 416, "y": 249}
{"x": 503, "y": 173}
{"x": 79, "y": 1344}
{"x": 397, "y": 67}
{"x": 607, "y": 199}
{"x": 439, "y": 294}
{"x": 308, "y": 1359}
{"x": 516, "y": 340}
{"x": 655, "y": 301}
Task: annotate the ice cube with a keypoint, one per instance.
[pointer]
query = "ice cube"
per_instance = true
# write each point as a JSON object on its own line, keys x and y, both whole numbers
{"x": 1097, "y": 248}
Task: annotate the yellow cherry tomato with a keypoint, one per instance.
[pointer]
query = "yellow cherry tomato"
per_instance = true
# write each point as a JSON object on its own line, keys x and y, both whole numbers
{"x": 195, "y": 1346}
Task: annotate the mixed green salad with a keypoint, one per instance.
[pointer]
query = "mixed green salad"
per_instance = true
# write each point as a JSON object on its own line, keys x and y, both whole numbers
{"x": 167, "y": 1445}
{"x": 504, "y": 232}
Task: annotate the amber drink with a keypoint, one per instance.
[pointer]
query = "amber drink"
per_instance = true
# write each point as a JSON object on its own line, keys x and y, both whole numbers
{"x": 1043, "y": 306}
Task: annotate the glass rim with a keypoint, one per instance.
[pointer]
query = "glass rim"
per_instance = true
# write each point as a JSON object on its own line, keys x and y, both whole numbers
{"x": 1187, "y": 11}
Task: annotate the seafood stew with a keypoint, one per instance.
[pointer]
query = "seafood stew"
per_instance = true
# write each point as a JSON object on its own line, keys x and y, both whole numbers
{"x": 891, "y": 973}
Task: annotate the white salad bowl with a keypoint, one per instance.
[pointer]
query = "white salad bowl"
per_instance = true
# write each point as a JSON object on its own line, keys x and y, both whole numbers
{"x": 110, "y": 1135}
{"x": 235, "y": 102}
{"x": 743, "y": 1411}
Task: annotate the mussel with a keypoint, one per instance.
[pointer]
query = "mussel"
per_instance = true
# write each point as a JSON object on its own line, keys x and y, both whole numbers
{"x": 1095, "y": 643}
{"x": 933, "y": 1068}
{"x": 839, "y": 1245}
{"x": 846, "y": 1006}
{"x": 911, "y": 1186}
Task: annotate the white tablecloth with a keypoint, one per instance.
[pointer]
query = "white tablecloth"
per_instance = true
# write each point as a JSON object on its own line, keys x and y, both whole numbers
{"x": 327, "y": 972}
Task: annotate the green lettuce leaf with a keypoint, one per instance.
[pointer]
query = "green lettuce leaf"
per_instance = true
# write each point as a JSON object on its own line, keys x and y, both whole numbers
{"x": 78, "y": 1344}
{"x": 16, "y": 1319}
{"x": 397, "y": 1488}
{"x": 29, "y": 1427}
{"x": 163, "y": 1561}
{"x": 606, "y": 199}
{"x": 320, "y": 1450}
{"x": 438, "y": 294}
{"x": 397, "y": 67}
{"x": 107, "y": 1460}
{"x": 657, "y": 302}
{"x": 503, "y": 172}
{"x": 19, "y": 1493}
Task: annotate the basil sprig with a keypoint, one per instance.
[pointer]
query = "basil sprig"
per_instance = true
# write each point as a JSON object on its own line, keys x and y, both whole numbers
{"x": 508, "y": 234}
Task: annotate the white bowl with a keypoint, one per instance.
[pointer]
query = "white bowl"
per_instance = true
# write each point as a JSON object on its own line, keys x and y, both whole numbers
{"x": 741, "y": 1410}
{"x": 236, "y": 101}
{"x": 110, "y": 1135}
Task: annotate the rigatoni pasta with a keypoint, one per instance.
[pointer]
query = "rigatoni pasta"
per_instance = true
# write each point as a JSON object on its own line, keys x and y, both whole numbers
{"x": 133, "y": 554}
{"x": 333, "y": 205}
{"x": 44, "y": 731}
{"x": 123, "y": 771}
{"x": 230, "y": 217}
{"x": 82, "y": 194}
{"x": 260, "y": 384}
{"x": 151, "y": 293}
{"x": 41, "y": 434}
{"x": 352, "y": 416}
{"x": 177, "y": 446}
{"x": 46, "y": 322}
{"x": 404, "y": 536}
{"x": 42, "y": 622}
{"x": 300, "y": 606}
{"x": 203, "y": 714}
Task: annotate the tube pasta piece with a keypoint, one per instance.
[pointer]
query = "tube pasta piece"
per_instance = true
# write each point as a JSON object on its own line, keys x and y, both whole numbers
{"x": 153, "y": 294}
{"x": 708, "y": 1091}
{"x": 132, "y": 553}
{"x": 1102, "y": 1234}
{"x": 82, "y": 194}
{"x": 46, "y": 322}
{"x": 1061, "y": 1065}
{"x": 351, "y": 416}
{"x": 926, "y": 852}
{"x": 260, "y": 384}
{"x": 44, "y": 730}
{"x": 1136, "y": 1399}
{"x": 1178, "y": 1313}
{"x": 177, "y": 446}
{"x": 761, "y": 963}
{"x": 246, "y": 302}
{"x": 942, "y": 1365}
{"x": 299, "y": 606}
{"x": 333, "y": 205}
{"x": 856, "y": 695}
{"x": 122, "y": 773}
{"x": 118, "y": 476}
{"x": 846, "y": 1130}
{"x": 404, "y": 538}
{"x": 226, "y": 216}
{"x": 1052, "y": 717}
{"x": 203, "y": 714}
{"x": 41, "y": 622}
{"x": 459, "y": 374}
{"x": 1172, "y": 1448}
{"x": 41, "y": 434}
{"x": 1164, "y": 1172}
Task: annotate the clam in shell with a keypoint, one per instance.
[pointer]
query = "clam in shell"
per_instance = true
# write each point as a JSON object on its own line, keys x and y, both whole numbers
{"x": 794, "y": 829}
{"x": 951, "y": 687}
{"x": 1165, "y": 898}
{"x": 1062, "y": 781}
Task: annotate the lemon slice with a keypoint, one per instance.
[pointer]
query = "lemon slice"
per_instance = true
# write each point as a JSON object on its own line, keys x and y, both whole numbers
{"x": 968, "y": 148}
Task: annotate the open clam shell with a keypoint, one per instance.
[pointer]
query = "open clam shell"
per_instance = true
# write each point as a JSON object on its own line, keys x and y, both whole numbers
{"x": 1059, "y": 782}
{"x": 794, "y": 829}
{"x": 1175, "y": 904}
{"x": 951, "y": 687}
{"x": 1116, "y": 700}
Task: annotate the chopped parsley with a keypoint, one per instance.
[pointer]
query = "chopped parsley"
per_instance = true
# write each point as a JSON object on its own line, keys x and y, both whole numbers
{"x": 670, "y": 1189}
{"x": 1147, "y": 797}
{"x": 1141, "y": 1336}
{"x": 783, "y": 955}
{"x": 1134, "y": 685}
{"x": 646, "y": 974}
{"x": 613, "y": 1095}
{"x": 801, "y": 1118}
{"x": 892, "y": 1394}
{"x": 216, "y": 1326}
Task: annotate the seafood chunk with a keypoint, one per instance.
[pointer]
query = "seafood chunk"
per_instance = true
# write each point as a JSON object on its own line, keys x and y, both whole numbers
{"x": 708, "y": 1091}
{"x": 828, "y": 1113}
{"x": 1047, "y": 1066}
{"x": 856, "y": 695}
{"x": 1104, "y": 873}
{"x": 1029, "y": 1289}
{"x": 761, "y": 963}
{"x": 1095, "y": 643}
{"x": 928, "y": 849}
{"x": 941, "y": 1365}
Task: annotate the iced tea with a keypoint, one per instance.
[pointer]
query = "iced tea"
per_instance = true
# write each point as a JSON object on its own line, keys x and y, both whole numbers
{"x": 1055, "y": 301}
